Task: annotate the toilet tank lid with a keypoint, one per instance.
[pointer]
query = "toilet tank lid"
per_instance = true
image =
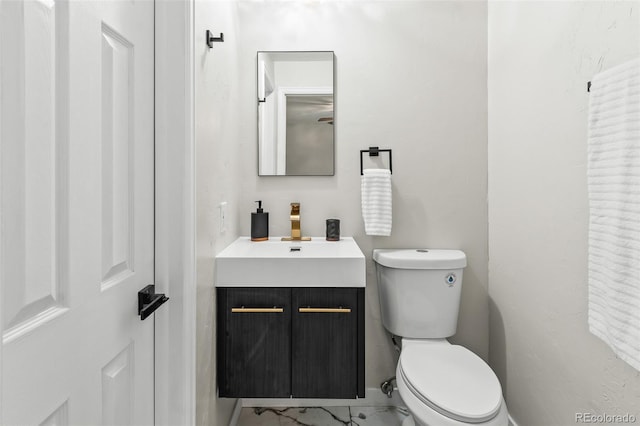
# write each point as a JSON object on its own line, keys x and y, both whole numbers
{"x": 420, "y": 258}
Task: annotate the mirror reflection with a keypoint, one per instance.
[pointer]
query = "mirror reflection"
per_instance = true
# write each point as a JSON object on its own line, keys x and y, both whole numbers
{"x": 295, "y": 114}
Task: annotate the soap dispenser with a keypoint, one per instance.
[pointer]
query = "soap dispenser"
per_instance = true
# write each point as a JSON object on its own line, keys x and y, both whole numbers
{"x": 259, "y": 224}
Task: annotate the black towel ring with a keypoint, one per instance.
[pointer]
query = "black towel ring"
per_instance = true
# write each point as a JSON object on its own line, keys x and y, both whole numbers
{"x": 374, "y": 151}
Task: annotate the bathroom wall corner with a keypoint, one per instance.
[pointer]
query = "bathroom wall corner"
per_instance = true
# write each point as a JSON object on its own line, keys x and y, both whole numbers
{"x": 218, "y": 180}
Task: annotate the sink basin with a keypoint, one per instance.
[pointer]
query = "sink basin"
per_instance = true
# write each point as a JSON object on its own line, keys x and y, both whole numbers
{"x": 275, "y": 263}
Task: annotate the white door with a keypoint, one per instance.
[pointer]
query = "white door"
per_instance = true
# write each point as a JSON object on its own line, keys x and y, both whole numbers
{"x": 76, "y": 211}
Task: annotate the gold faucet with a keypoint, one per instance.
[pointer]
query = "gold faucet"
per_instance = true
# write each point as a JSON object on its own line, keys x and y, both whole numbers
{"x": 296, "y": 235}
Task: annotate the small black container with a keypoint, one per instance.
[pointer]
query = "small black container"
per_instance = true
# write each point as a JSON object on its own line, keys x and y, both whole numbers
{"x": 333, "y": 229}
{"x": 259, "y": 224}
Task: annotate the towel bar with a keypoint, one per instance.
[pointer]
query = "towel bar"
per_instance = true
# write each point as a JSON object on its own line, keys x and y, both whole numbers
{"x": 374, "y": 151}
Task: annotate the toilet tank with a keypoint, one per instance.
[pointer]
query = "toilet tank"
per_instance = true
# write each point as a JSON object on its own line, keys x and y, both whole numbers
{"x": 419, "y": 291}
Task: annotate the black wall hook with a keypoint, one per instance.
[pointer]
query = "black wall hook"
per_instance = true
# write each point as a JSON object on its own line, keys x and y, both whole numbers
{"x": 211, "y": 39}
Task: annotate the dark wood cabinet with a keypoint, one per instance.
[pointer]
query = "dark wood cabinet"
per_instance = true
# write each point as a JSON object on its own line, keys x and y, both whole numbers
{"x": 254, "y": 341}
{"x": 321, "y": 356}
{"x": 324, "y": 346}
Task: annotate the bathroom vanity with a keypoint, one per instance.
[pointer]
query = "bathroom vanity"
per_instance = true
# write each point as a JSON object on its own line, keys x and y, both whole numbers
{"x": 290, "y": 319}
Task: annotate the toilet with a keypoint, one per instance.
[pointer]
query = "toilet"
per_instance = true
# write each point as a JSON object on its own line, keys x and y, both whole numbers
{"x": 442, "y": 384}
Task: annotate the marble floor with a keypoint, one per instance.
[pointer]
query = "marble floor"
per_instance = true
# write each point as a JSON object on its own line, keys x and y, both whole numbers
{"x": 322, "y": 416}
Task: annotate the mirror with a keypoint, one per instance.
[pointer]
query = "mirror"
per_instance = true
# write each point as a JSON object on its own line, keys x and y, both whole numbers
{"x": 295, "y": 114}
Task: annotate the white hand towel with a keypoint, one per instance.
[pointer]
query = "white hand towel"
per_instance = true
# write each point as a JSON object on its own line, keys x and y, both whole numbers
{"x": 614, "y": 209}
{"x": 376, "y": 201}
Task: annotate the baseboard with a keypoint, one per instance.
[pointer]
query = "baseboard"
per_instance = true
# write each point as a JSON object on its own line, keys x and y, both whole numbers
{"x": 512, "y": 422}
{"x": 236, "y": 413}
{"x": 373, "y": 398}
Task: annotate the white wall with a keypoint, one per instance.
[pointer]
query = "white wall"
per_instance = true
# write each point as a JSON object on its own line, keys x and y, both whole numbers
{"x": 541, "y": 55}
{"x": 411, "y": 76}
{"x": 218, "y": 175}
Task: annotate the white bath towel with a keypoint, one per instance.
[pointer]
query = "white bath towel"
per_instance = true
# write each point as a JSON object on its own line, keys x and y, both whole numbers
{"x": 376, "y": 201}
{"x": 614, "y": 209}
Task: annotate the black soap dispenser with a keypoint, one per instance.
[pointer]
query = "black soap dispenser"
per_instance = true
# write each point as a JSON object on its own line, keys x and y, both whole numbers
{"x": 259, "y": 224}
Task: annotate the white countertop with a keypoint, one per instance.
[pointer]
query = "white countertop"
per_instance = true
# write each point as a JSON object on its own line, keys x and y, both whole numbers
{"x": 276, "y": 263}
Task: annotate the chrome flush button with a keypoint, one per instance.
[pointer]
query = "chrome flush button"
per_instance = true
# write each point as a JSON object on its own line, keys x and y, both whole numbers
{"x": 450, "y": 279}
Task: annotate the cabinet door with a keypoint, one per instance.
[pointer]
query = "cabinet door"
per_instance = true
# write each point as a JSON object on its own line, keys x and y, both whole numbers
{"x": 325, "y": 354}
{"x": 254, "y": 342}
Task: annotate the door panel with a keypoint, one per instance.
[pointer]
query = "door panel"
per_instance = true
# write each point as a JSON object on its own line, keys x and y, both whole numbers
{"x": 76, "y": 184}
{"x": 116, "y": 157}
{"x": 117, "y": 389}
{"x": 29, "y": 170}
{"x": 254, "y": 352}
{"x": 324, "y": 352}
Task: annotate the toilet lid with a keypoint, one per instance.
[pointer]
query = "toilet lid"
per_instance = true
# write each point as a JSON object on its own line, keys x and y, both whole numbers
{"x": 451, "y": 380}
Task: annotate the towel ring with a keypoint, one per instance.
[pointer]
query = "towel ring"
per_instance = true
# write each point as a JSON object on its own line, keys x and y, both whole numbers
{"x": 374, "y": 151}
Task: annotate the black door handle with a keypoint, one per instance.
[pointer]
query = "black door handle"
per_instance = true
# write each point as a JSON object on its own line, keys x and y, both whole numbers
{"x": 149, "y": 301}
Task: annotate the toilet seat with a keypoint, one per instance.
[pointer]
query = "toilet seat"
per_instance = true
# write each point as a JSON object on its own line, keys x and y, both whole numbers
{"x": 451, "y": 380}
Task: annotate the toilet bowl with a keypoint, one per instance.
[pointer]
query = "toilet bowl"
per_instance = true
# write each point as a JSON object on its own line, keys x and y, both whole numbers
{"x": 441, "y": 384}
{"x": 448, "y": 385}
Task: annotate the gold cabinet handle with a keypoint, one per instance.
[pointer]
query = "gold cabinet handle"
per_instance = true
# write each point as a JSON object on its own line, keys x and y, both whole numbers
{"x": 339, "y": 310}
{"x": 244, "y": 310}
